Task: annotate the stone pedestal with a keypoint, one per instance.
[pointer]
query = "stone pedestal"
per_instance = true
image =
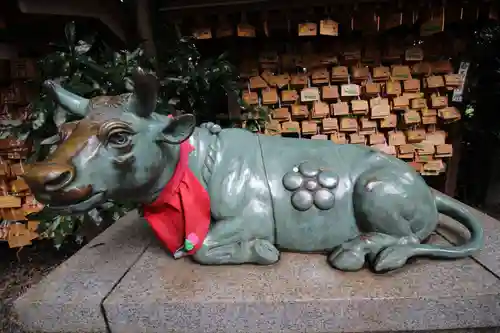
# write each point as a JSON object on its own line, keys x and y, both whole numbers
{"x": 125, "y": 282}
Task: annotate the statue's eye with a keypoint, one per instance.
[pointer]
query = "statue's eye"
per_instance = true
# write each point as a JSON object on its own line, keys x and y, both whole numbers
{"x": 119, "y": 139}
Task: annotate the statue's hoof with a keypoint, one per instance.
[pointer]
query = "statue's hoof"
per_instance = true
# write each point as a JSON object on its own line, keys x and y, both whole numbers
{"x": 389, "y": 259}
{"x": 347, "y": 260}
{"x": 265, "y": 252}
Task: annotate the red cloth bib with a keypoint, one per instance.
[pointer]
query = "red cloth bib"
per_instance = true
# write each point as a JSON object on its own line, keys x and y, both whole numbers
{"x": 180, "y": 216}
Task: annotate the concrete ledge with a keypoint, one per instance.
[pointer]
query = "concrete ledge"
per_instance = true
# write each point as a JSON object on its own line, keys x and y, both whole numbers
{"x": 69, "y": 298}
{"x": 301, "y": 294}
{"x": 124, "y": 281}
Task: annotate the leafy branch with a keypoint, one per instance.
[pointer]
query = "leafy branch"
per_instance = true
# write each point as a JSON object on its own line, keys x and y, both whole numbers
{"x": 88, "y": 67}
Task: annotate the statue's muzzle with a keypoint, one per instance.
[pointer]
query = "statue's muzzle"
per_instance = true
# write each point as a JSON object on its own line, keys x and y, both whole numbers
{"x": 50, "y": 183}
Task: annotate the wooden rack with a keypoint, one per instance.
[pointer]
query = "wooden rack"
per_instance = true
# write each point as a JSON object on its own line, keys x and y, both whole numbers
{"x": 402, "y": 109}
{"x": 16, "y": 200}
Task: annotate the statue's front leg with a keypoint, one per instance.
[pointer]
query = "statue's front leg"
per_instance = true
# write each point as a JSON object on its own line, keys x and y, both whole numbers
{"x": 233, "y": 241}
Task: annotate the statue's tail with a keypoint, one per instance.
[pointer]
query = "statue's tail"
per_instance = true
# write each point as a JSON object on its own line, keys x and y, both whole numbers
{"x": 454, "y": 209}
{"x": 459, "y": 212}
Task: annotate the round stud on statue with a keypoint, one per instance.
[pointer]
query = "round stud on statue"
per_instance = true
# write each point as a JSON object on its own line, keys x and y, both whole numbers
{"x": 213, "y": 128}
{"x": 293, "y": 181}
{"x": 324, "y": 199}
{"x": 302, "y": 200}
{"x": 308, "y": 169}
{"x": 328, "y": 179}
{"x": 311, "y": 185}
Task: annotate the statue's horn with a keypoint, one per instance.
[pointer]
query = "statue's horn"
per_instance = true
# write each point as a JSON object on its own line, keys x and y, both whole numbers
{"x": 69, "y": 101}
{"x": 144, "y": 98}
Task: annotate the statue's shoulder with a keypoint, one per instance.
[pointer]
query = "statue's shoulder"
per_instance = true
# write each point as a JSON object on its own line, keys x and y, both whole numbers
{"x": 238, "y": 137}
{"x": 225, "y": 136}
{"x": 216, "y": 129}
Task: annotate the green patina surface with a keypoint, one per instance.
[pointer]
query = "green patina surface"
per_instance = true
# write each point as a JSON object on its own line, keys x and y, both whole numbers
{"x": 268, "y": 194}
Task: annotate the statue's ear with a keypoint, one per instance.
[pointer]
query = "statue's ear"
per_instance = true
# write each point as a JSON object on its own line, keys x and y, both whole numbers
{"x": 178, "y": 129}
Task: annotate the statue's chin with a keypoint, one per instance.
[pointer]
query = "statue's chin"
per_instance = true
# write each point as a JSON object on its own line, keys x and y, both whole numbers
{"x": 80, "y": 207}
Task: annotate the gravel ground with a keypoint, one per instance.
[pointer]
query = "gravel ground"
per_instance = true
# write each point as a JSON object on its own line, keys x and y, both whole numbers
{"x": 20, "y": 269}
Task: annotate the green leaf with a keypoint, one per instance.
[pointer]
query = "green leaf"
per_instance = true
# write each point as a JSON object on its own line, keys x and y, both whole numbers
{"x": 44, "y": 215}
{"x": 58, "y": 239}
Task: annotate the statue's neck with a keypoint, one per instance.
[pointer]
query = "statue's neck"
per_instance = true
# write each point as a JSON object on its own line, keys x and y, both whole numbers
{"x": 170, "y": 160}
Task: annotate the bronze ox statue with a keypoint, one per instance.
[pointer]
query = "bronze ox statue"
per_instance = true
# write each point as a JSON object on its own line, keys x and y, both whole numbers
{"x": 242, "y": 197}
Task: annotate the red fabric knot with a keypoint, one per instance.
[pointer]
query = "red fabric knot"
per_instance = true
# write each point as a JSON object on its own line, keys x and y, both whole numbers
{"x": 180, "y": 216}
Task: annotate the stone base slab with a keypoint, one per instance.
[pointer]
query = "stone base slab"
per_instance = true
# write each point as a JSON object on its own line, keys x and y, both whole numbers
{"x": 132, "y": 285}
{"x": 300, "y": 294}
{"x": 69, "y": 299}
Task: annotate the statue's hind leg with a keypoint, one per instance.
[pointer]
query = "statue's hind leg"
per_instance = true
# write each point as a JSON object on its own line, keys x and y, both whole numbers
{"x": 394, "y": 215}
{"x": 351, "y": 256}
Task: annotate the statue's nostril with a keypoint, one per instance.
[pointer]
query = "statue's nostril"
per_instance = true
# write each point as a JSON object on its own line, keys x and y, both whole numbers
{"x": 55, "y": 181}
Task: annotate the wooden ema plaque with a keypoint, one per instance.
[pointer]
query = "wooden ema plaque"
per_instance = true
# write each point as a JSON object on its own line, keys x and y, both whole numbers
{"x": 396, "y": 108}
{"x": 15, "y": 203}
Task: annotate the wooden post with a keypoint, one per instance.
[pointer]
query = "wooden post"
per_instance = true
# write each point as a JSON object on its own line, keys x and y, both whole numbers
{"x": 234, "y": 109}
{"x": 450, "y": 185}
{"x": 144, "y": 27}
